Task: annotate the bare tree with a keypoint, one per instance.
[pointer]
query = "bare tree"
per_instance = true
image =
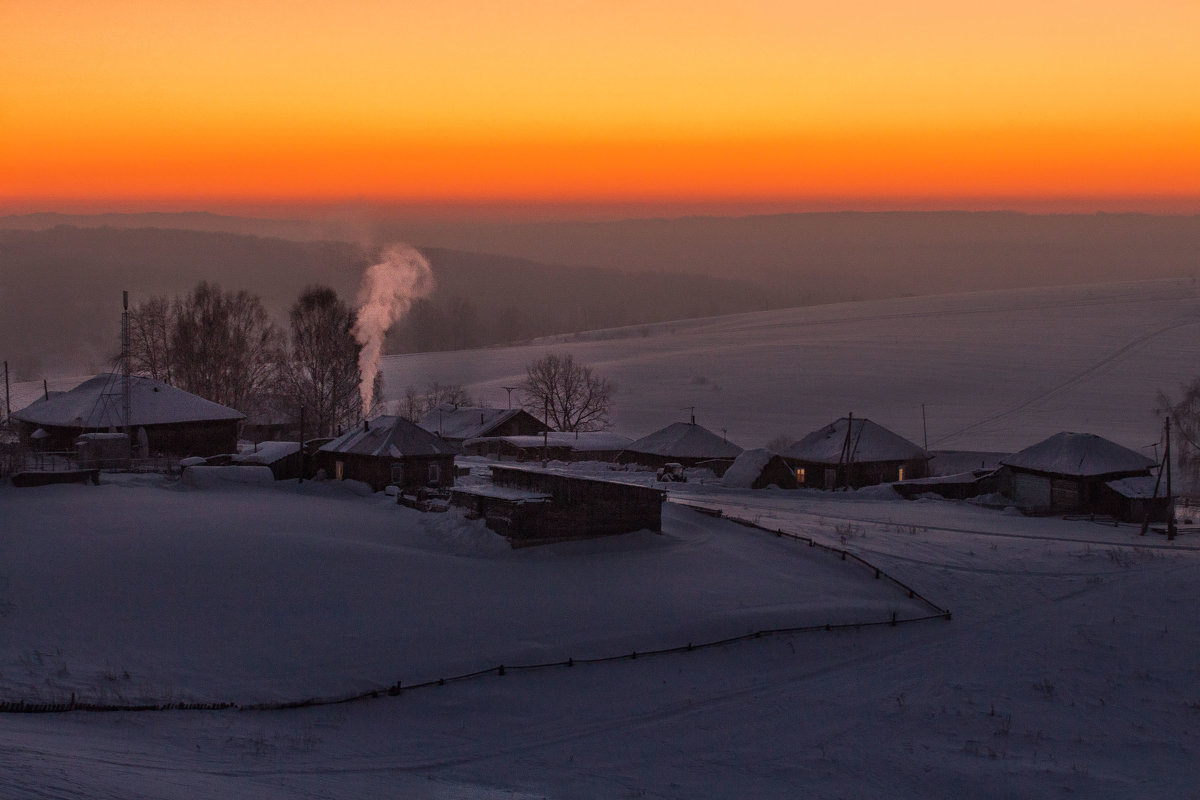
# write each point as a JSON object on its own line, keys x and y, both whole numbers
{"x": 570, "y": 395}
{"x": 225, "y": 348}
{"x": 321, "y": 375}
{"x": 151, "y": 324}
{"x": 416, "y": 404}
{"x": 1185, "y": 415}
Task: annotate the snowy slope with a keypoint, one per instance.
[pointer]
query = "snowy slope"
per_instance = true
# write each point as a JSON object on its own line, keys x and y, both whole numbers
{"x": 996, "y": 370}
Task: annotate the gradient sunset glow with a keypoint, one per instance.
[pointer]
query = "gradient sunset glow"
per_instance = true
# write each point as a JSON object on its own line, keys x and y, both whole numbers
{"x": 160, "y": 104}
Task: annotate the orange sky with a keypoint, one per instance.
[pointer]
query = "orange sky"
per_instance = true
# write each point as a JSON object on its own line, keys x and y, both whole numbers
{"x": 157, "y": 104}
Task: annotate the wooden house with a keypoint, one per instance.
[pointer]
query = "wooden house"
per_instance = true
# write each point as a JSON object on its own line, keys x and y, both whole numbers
{"x": 165, "y": 420}
{"x": 1068, "y": 473}
{"x": 855, "y": 452}
{"x": 457, "y": 424}
{"x": 683, "y": 443}
{"x": 389, "y": 450}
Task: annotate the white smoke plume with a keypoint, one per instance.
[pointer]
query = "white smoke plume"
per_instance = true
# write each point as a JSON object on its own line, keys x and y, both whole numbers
{"x": 386, "y": 294}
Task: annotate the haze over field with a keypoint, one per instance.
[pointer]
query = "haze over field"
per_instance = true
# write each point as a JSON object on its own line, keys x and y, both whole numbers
{"x": 995, "y": 370}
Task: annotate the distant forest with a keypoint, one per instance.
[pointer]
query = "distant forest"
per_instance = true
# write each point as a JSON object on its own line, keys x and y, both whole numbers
{"x": 61, "y": 290}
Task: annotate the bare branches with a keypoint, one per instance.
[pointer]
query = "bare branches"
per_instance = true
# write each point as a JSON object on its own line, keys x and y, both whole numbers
{"x": 1186, "y": 416}
{"x": 571, "y": 396}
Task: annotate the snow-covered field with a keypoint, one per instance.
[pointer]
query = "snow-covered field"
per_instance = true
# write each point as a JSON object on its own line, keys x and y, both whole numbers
{"x": 995, "y": 370}
{"x": 1071, "y": 666}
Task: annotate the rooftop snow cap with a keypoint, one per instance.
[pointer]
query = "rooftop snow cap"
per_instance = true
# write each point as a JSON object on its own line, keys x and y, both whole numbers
{"x": 389, "y": 436}
{"x": 1081, "y": 455}
{"x": 685, "y": 440}
{"x": 89, "y": 405}
{"x": 464, "y": 422}
{"x": 869, "y": 441}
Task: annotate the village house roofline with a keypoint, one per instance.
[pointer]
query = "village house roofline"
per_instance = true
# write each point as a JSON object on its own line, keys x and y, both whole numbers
{"x": 96, "y": 404}
{"x": 389, "y": 436}
{"x": 467, "y": 422}
{"x": 869, "y": 441}
{"x": 684, "y": 440}
{"x": 1083, "y": 455}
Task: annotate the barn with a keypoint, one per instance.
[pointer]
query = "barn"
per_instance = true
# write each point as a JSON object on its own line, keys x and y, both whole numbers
{"x": 855, "y": 452}
{"x": 683, "y": 443}
{"x": 1067, "y": 474}
{"x": 553, "y": 446}
{"x": 457, "y": 424}
{"x": 388, "y": 450}
{"x": 169, "y": 421}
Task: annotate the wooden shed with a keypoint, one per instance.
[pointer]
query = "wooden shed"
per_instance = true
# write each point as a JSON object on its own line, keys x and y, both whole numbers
{"x": 758, "y": 469}
{"x": 1067, "y": 473}
{"x": 531, "y": 506}
{"x": 389, "y": 450}
{"x": 855, "y": 452}
{"x": 169, "y": 421}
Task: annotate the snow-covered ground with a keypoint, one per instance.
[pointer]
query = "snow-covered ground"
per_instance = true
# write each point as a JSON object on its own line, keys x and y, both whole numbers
{"x": 995, "y": 370}
{"x": 1071, "y": 666}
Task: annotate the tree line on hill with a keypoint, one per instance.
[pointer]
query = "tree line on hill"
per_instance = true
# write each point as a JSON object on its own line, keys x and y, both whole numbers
{"x": 480, "y": 299}
{"x": 223, "y": 346}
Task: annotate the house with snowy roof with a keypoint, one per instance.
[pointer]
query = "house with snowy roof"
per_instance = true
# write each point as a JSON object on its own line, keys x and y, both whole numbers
{"x": 1075, "y": 473}
{"x": 683, "y": 443}
{"x": 552, "y": 446}
{"x": 166, "y": 419}
{"x": 855, "y": 452}
{"x": 457, "y": 424}
{"x": 389, "y": 450}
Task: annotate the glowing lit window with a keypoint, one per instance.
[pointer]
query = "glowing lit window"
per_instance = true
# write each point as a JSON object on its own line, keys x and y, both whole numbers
{"x": 901, "y": 474}
{"x": 800, "y": 475}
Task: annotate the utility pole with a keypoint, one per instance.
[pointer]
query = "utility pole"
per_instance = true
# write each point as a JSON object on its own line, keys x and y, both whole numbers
{"x": 126, "y": 389}
{"x": 7, "y": 399}
{"x": 924, "y": 428}
{"x": 1170, "y": 497}
{"x": 509, "y": 389}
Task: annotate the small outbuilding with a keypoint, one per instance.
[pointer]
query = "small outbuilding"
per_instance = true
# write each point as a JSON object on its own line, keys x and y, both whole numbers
{"x": 166, "y": 420}
{"x": 389, "y": 450}
{"x": 855, "y": 452}
{"x": 283, "y": 458}
{"x": 457, "y": 424}
{"x": 1067, "y": 474}
{"x": 758, "y": 469}
{"x": 683, "y": 443}
{"x": 532, "y": 506}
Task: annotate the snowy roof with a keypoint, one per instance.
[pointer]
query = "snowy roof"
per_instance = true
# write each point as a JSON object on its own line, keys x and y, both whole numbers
{"x": 869, "y": 441}
{"x": 96, "y": 403}
{"x": 389, "y": 436}
{"x": 747, "y": 468}
{"x": 1141, "y": 487}
{"x": 465, "y": 422}
{"x": 584, "y": 440}
{"x": 1079, "y": 454}
{"x": 267, "y": 453}
{"x": 685, "y": 440}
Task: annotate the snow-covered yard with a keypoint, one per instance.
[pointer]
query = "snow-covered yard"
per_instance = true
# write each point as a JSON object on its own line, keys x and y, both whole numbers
{"x": 1071, "y": 663}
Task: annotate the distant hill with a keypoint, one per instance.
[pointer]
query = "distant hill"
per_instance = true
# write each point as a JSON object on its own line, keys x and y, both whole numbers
{"x": 61, "y": 290}
{"x": 803, "y": 258}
